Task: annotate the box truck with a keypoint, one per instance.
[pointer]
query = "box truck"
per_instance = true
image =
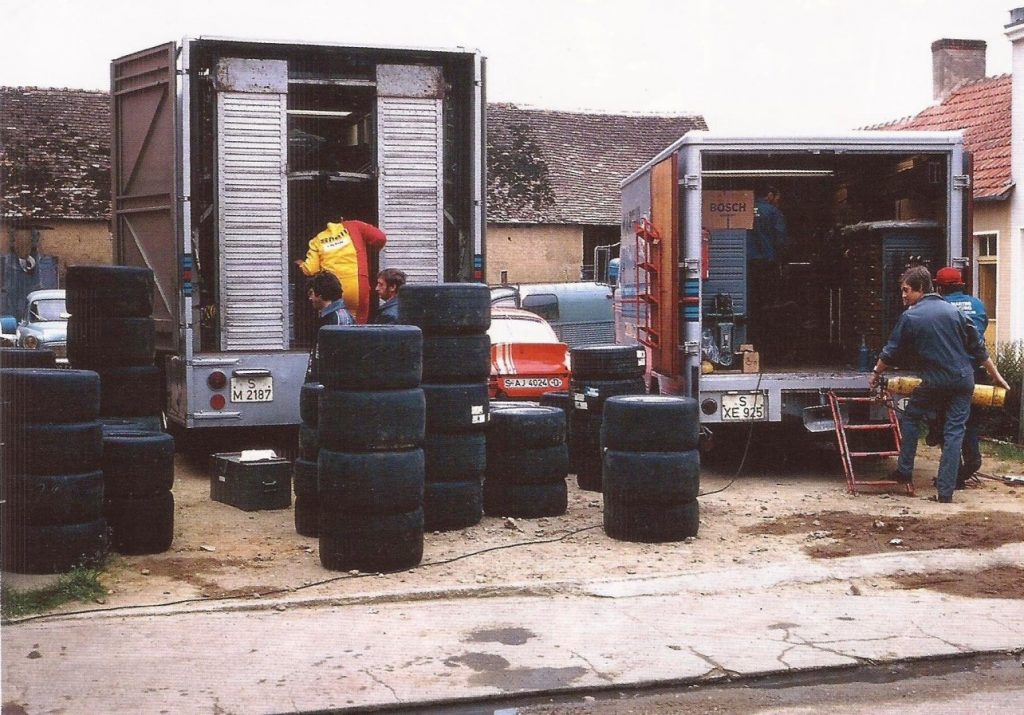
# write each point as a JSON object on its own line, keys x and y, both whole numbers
{"x": 229, "y": 155}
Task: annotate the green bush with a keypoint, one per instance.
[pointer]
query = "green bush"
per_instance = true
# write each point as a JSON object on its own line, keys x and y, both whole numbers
{"x": 1003, "y": 422}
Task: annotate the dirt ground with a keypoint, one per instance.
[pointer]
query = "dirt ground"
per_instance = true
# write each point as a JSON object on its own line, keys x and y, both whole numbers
{"x": 766, "y": 514}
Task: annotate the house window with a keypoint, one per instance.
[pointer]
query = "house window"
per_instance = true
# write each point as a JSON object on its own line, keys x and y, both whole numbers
{"x": 987, "y": 260}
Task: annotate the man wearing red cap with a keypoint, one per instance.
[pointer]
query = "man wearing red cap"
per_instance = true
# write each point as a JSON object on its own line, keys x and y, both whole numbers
{"x": 950, "y": 284}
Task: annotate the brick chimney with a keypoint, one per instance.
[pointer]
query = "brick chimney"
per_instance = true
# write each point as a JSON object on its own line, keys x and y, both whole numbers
{"x": 1012, "y": 249}
{"x": 954, "y": 61}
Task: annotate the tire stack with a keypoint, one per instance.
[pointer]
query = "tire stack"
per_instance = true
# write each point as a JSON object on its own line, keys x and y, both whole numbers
{"x": 454, "y": 318}
{"x": 371, "y": 419}
{"x": 111, "y": 331}
{"x": 562, "y": 400}
{"x": 651, "y": 468}
{"x": 52, "y": 486}
{"x": 27, "y": 357}
{"x": 304, "y": 468}
{"x": 598, "y": 373}
{"x": 138, "y": 473}
{"x": 527, "y": 463}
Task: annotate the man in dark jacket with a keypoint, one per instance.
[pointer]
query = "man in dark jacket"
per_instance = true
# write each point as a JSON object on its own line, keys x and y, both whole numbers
{"x": 389, "y": 281}
{"x": 325, "y": 295}
{"x": 947, "y": 346}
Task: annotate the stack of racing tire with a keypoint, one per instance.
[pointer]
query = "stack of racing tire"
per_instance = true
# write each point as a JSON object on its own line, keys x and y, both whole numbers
{"x": 371, "y": 420}
{"x": 111, "y": 331}
{"x": 598, "y": 373}
{"x": 527, "y": 463}
{"x": 27, "y": 357}
{"x": 138, "y": 473}
{"x": 304, "y": 468}
{"x": 52, "y": 500}
{"x": 454, "y": 318}
{"x": 651, "y": 467}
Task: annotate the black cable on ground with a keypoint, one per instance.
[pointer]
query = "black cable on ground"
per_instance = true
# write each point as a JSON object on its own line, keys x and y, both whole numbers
{"x": 746, "y": 447}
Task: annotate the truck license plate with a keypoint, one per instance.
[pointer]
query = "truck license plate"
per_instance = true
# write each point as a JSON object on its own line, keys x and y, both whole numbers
{"x": 252, "y": 389}
{"x": 749, "y": 407}
{"x": 512, "y": 382}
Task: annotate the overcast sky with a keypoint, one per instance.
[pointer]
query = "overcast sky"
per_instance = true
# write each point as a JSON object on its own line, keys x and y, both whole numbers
{"x": 775, "y": 65}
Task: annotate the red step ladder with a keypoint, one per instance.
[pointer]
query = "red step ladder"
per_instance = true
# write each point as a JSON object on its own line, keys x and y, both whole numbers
{"x": 835, "y": 401}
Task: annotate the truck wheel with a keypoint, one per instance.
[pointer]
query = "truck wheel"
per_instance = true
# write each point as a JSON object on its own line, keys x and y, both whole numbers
{"x": 53, "y": 448}
{"x": 133, "y": 391}
{"x": 53, "y": 499}
{"x": 371, "y": 543}
{"x": 27, "y": 357}
{"x": 309, "y": 442}
{"x": 141, "y": 525}
{"x": 109, "y": 291}
{"x": 651, "y": 423}
{"x": 653, "y": 478}
{"x": 651, "y": 523}
{"x": 560, "y": 399}
{"x": 448, "y": 506}
{"x": 374, "y": 420}
{"x": 370, "y": 357}
{"x": 446, "y": 308}
{"x": 309, "y": 402}
{"x": 137, "y": 464}
{"x": 457, "y": 408}
{"x": 607, "y": 362}
{"x": 304, "y": 478}
{"x": 45, "y": 395}
{"x": 52, "y": 549}
{"x": 100, "y": 343}
{"x": 307, "y": 516}
{"x": 528, "y": 501}
{"x": 526, "y": 427}
{"x": 535, "y": 465}
{"x": 371, "y": 483}
{"x": 590, "y": 395}
{"x": 456, "y": 358}
{"x": 454, "y": 457}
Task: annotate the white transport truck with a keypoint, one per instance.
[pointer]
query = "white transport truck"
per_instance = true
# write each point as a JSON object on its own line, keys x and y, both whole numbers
{"x": 860, "y": 208}
{"x": 229, "y": 155}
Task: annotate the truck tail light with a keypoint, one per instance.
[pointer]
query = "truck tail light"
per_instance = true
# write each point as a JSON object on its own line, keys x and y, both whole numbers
{"x": 217, "y": 402}
{"x": 216, "y": 381}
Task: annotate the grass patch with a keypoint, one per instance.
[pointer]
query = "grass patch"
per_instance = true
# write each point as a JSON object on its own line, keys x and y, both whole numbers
{"x": 79, "y": 584}
{"x": 1003, "y": 450}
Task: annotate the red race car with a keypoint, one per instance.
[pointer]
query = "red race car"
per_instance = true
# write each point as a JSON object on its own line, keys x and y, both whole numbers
{"x": 526, "y": 358}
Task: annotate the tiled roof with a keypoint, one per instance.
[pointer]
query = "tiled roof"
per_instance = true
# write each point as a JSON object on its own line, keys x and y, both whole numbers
{"x": 565, "y": 167}
{"x": 54, "y": 153}
{"x": 980, "y": 108}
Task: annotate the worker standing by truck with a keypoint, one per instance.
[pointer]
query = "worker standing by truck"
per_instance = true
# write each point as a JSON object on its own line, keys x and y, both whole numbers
{"x": 344, "y": 248}
{"x": 325, "y": 295}
{"x": 764, "y": 243}
{"x": 389, "y": 282}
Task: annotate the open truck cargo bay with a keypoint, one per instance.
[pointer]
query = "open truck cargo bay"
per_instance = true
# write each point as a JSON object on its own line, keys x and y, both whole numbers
{"x": 860, "y": 208}
{"x": 229, "y": 155}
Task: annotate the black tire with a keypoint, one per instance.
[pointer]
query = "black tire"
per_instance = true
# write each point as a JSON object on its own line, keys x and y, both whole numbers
{"x": 457, "y": 408}
{"x": 371, "y": 543}
{"x": 27, "y": 357}
{"x": 370, "y": 357}
{"x": 651, "y": 423}
{"x": 588, "y": 477}
{"x": 495, "y": 405}
{"x": 607, "y": 362}
{"x": 388, "y": 420}
{"x": 526, "y": 427}
{"x": 590, "y": 395}
{"x": 309, "y": 442}
{"x": 304, "y": 479}
{"x": 527, "y": 501}
{"x": 141, "y": 423}
{"x": 45, "y": 500}
{"x": 655, "y": 478}
{"x": 307, "y": 516}
{"x": 455, "y": 457}
{"x": 101, "y": 343}
{"x": 141, "y": 525}
{"x": 309, "y": 402}
{"x": 53, "y": 549}
{"x": 42, "y": 395}
{"x": 53, "y": 448}
{"x": 137, "y": 464}
{"x": 446, "y": 308}
{"x": 134, "y": 391}
{"x": 371, "y": 483}
{"x": 448, "y": 506}
{"x": 651, "y": 523}
{"x": 456, "y": 358}
{"x": 109, "y": 291}
{"x": 561, "y": 399}
{"x": 536, "y": 465}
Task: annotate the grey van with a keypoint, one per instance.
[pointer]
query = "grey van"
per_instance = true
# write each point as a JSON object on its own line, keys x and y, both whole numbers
{"x": 580, "y": 313}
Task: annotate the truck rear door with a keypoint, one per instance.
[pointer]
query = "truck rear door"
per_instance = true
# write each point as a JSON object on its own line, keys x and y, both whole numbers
{"x": 144, "y": 175}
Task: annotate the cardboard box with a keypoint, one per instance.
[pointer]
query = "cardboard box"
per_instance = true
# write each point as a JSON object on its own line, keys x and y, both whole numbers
{"x": 251, "y": 486}
{"x": 907, "y": 209}
{"x": 728, "y": 209}
{"x": 751, "y": 361}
